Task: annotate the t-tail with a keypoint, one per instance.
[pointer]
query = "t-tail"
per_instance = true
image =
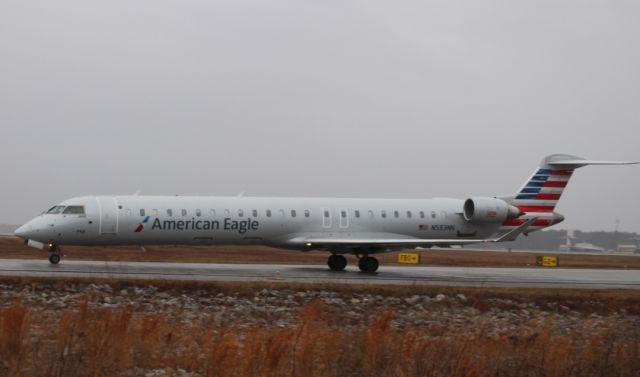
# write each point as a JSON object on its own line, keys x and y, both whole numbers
{"x": 541, "y": 193}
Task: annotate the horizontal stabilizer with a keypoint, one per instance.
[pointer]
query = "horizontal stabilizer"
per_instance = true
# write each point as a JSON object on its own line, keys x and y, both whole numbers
{"x": 593, "y": 162}
{"x": 572, "y": 162}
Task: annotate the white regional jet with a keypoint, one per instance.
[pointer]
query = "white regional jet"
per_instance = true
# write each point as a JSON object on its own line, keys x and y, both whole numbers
{"x": 340, "y": 226}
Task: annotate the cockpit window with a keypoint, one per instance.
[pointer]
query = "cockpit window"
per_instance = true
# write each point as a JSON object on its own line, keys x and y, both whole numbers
{"x": 55, "y": 210}
{"x": 74, "y": 210}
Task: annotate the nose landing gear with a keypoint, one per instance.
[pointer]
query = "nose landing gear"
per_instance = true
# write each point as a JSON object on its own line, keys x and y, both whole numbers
{"x": 55, "y": 254}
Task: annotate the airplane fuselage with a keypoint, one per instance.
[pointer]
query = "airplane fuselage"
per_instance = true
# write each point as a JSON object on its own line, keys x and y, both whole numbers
{"x": 147, "y": 220}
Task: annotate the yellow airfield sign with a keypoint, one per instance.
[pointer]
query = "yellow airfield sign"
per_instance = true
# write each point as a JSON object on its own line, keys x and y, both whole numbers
{"x": 408, "y": 258}
{"x": 547, "y": 261}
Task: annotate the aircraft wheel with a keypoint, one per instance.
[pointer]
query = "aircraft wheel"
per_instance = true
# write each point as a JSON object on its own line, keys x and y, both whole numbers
{"x": 54, "y": 258}
{"x": 337, "y": 262}
{"x": 368, "y": 264}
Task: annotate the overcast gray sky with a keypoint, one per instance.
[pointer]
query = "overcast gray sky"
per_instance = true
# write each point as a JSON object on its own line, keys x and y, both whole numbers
{"x": 318, "y": 98}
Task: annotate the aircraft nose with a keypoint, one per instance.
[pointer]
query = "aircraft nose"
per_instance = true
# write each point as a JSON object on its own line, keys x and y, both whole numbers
{"x": 23, "y": 231}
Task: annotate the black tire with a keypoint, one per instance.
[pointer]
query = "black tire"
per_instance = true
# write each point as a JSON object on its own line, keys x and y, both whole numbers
{"x": 54, "y": 258}
{"x": 368, "y": 264}
{"x": 337, "y": 262}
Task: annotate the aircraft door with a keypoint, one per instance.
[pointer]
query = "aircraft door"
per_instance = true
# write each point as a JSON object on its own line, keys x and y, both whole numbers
{"x": 108, "y": 215}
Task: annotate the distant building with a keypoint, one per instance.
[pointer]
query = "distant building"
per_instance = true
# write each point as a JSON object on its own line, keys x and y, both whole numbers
{"x": 630, "y": 247}
{"x": 626, "y": 248}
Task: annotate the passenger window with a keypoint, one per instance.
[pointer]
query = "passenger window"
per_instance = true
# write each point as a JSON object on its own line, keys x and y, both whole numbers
{"x": 357, "y": 213}
{"x": 396, "y": 214}
{"x": 240, "y": 213}
{"x": 268, "y": 213}
{"x": 74, "y": 210}
{"x": 409, "y": 214}
{"x": 433, "y": 214}
{"x": 326, "y": 213}
{"x": 307, "y": 213}
{"x": 169, "y": 212}
{"x": 422, "y": 214}
{"x": 254, "y": 213}
{"x": 184, "y": 212}
{"x": 343, "y": 213}
{"x": 142, "y": 212}
{"x": 293, "y": 213}
{"x": 383, "y": 214}
{"x": 198, "y": 213}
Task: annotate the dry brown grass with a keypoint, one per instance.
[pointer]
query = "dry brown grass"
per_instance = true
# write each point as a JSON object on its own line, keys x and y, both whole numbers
{"x": 82, "y": 341}
{"x": 14, "y": 248}
{"x": 98, "y": 342}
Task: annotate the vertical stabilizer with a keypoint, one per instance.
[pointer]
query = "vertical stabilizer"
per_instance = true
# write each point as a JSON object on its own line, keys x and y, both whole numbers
{"x": 540, "y": 194}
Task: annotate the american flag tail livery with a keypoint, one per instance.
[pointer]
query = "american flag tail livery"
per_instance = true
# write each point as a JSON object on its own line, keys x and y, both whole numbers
{"x": 540, "y": 194}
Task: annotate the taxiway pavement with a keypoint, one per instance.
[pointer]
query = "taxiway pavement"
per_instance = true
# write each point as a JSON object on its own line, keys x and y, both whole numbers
{"x": 454, "y": 276}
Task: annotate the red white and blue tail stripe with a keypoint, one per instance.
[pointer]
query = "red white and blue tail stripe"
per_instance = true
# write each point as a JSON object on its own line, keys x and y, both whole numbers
{"x": 542, "y": 191}
{"x": 539, "y": 197}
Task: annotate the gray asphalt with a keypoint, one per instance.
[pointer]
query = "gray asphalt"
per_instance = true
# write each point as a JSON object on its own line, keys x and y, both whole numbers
{"x": 454, "y": 276}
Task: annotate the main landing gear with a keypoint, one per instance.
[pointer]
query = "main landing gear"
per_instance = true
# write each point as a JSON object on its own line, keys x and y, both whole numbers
{"x": 337, "y": 262}
{"x": 55, "y": 254}
{"x": 368, "y": 264}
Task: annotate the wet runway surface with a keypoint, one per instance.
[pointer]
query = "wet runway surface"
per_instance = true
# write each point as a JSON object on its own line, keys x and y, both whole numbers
{"x": 454, "y": 276}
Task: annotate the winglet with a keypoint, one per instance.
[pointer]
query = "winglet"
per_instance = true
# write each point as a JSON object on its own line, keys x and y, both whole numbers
{"x": 514, "y": 233}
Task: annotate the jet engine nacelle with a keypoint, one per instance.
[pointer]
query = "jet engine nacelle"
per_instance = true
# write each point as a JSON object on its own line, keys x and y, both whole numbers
{"x": 489, "y": 210}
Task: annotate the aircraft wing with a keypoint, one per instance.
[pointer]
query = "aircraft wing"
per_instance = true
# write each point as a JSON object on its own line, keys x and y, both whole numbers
{"x": 414, "y": 242}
